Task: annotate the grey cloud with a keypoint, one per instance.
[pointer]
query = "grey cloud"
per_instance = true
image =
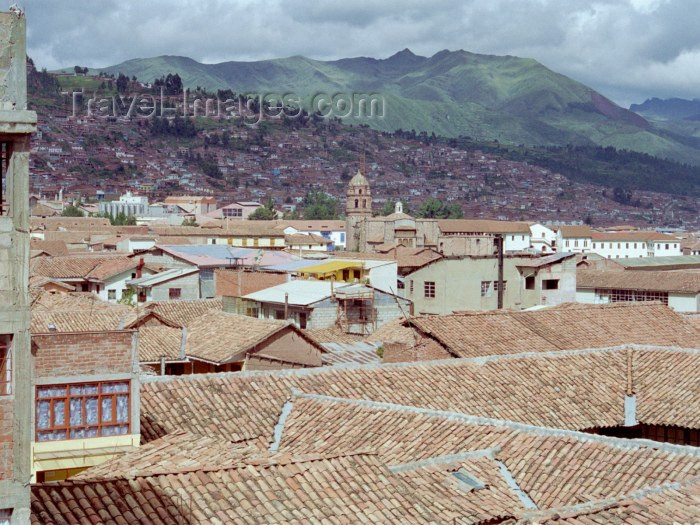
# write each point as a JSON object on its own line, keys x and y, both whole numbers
{"x": 627, "y": 49}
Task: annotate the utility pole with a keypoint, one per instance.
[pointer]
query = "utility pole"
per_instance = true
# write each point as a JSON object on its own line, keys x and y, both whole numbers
{"x": 499, "y": 245}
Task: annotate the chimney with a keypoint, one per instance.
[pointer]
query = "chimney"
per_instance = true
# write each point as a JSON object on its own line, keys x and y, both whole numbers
{"x": 139, "y": 268}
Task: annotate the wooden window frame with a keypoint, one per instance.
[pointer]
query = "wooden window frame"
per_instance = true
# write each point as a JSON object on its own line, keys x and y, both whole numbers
{"x": 66, "y": 427}
{"x": 5, "y": 159}
{"x": 172, "y": 293}
{"x": 429, "y": 289}
{"x": 5, "y": 365}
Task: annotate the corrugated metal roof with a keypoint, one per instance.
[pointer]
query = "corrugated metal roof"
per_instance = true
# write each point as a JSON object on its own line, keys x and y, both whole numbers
{"x": 300, "y": 292}
{"x": 224, "y": 255}
{"x": 151, "y": 280}
{"x": 672, "y": 260}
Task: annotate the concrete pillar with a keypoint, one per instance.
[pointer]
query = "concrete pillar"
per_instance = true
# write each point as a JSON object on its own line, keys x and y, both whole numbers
{"x": 16, "y": 125}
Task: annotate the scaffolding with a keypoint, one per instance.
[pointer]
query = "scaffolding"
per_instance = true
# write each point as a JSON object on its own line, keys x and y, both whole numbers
{"x": 355, "y": 312}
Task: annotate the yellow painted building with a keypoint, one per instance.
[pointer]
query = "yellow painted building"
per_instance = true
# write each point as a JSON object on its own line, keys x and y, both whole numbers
{"x": 340, "y": 271}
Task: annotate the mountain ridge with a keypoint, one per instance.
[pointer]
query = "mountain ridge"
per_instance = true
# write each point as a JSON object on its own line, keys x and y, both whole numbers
{"x": 451, "y": 93}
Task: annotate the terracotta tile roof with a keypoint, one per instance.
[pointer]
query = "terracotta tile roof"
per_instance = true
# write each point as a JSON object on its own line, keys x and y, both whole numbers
{"x": 633, "y": 236}
{"x": 394, "y": 331}
{"x": 332, "y": 334}
{"x": 275, "y": 490}
{"x": 567, "y": 397}
{"x": 462, "y": 441}
{"x": 586, "y": 326}
{"x": 302, "y": 239}
{"x": 220, "y": 337}
{"x": 667, "y": 504}
{"x": 157, "y": 341}
{"x": 184, "y": 312}
{"x": 53, "y": 248}
{"x": 72, "y": 301}
{"x": 69, "y": 223}
{"x": 82, "y": 267}
{"x": 318, "y": 225}
{"x": 37, "y": 282}
{"x": 179, "y": 452}
{"x": 554, "y": 468}
{"x": 685, "y": 281}
{"x": 575, "y": 231}
{"x": 79, "y": 321}
{"x": 560, "y": 328}
{"x": 456, "y": 502}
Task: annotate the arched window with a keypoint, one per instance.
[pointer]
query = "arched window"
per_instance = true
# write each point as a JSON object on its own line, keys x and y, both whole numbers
{"x": 364, "y": 203}
{"x": 357, "y": 203}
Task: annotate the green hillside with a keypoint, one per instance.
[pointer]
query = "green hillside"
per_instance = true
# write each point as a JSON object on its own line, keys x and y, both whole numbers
{"x": 453, "y": 93}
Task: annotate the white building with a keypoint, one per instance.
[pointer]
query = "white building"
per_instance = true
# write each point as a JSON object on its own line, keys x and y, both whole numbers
{"x": 128, "y": 204}
{"x": 330, "y": 229}
{"x": 542, "y": 238}
{"x": 574, "y": 239}
{"x": 617, "y": 245}
{"x": 678, "y": 289}
{"x": 622, "y": 245}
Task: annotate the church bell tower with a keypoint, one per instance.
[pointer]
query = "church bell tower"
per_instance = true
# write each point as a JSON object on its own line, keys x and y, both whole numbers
{"x": 358, "y": 208}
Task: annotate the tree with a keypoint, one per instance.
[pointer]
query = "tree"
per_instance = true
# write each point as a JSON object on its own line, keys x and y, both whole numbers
{"x": 122, "y": 83}
{"x": 121, "y": 219}
{"x": 72, "y": 211}
{"x": 189, "y": 222}
{"x": 264, "y": 213}
{"x": 436, "y": 209}
{"x": 319, "y": 205}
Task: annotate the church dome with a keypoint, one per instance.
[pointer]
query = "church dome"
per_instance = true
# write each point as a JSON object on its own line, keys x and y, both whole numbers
{"x": 358, "y": 180}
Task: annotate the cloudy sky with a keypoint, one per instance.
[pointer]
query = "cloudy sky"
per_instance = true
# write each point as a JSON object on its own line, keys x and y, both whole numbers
{"x": 627, "y": 49}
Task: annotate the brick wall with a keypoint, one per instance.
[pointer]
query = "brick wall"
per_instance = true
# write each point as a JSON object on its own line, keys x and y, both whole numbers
{"x": 6, "y": 437}
{"x": 67, "y": 354}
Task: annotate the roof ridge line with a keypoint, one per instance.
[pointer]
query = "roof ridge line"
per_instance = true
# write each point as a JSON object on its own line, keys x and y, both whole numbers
{"x": 601, "y": 504}
{"x": 620, "y": 443}
{"x": 434, "y": 362}
{"x": 447, "y": 458}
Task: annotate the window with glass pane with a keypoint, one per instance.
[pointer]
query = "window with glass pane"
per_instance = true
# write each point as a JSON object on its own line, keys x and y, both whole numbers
{"x": 82, "y": 410}
{"x": 5, "y": 365}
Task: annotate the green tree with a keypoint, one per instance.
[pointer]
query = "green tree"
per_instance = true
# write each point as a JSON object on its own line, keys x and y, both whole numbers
{"x": 189, "y": 222}
{"x": 319, "y": 205}
{"x": 122, "y": 83}
{"x": 436, "y": 209}
{"x": 121, "y": 219}
{"x": 264, "y": 213}
{"x": 72, "y": 211}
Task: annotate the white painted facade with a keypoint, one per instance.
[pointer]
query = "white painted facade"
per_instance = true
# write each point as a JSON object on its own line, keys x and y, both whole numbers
{"x": 573, "y": 244}
{"x": 677, "y": 301}
{"x": 516, "y": 242}
{"x": 542, "y": 238}
{"x": 620, "y": 249}
{"x": 337, "y": 236}
{"x": 111, "y": 289}
{"x": 134, "y": 245}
